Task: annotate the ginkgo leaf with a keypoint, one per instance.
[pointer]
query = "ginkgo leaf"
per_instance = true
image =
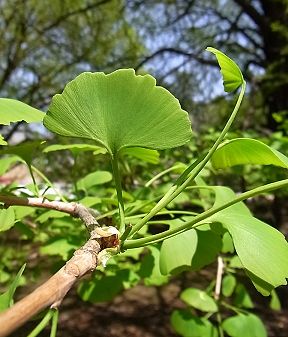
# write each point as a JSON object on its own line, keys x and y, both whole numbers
{"x": 75, "y": 148}
{"x": 12, "y": 110}
{"x": 262, "y": 250}
{"x": 145, "y": 155}
{"x": 232, "y": 76}
{"x": 241, "y": 151}
{"x": 119, "y": 110}
{"x": 192, "y": 250}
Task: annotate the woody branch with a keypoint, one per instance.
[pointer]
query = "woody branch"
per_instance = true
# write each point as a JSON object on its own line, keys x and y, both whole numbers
{"x": 84, "y": 260}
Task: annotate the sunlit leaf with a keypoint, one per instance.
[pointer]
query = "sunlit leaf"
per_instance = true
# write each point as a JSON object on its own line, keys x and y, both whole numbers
{"x": 146, "y": 155}
{"x": 228, "y": 285}
{"x": 187, "y": 325}
{"x": 241, "y": 151}
{"x": 7, "y": 162}
{"x": 244, "y": 325}
{"x": 16, "y": 111}
{"x": 119, "y": 110}
{"x": 192, "y": 250}
{"x": 275, "y": 303}
{"x": 7, "y": 219}
{"x": 25, "y": 151}
{"x": 6, "y": 299}
{"x": 199, "y": 299}
{"x": 232, "y": 76}
{"x": 92, "y": 179}
{"x": 263, "y": 251}
{"x": 75, "y": 148}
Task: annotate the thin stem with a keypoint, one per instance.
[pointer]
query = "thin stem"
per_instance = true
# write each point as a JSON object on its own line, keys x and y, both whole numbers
{"x": 219, "y": 320}
{"x": 42, "y": 324}
{"x": 117, "y": 180}
{"x": 237, "y": 310}
{"x": 203, "y": 216}
{"x": 195, "y": 168}
{"x": 76, "y": 191}
{"x": 48, "y": 182}
{"x": 33, "y": 179}
{"x": 129, "y": 218}
{"x": 125, "y": 234}
{"x": 159, "y": 175}
{"x": 54, "y": 323}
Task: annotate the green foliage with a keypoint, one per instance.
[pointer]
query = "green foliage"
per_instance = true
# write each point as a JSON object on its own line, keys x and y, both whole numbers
{"x": 6, "y": 299}
{"x": 188, "y": 325}
{"x": 119, "y": 110}
{"x": 93, "y": 179}
{"x": 192, "y": 250}
{"x": 130, "y": 117}
{"x": 75, "y": 148}
{"x": 228, "y": 285}
{"x": 232, "y": 76}
{"x": 199, "y": 299}
{"x": 244, "y": 325}
{"x": 15, "y": 111}
{"x": 150, "y": 270}
{"x": 263, "y": 250}
{"x": 240, "y": 151}
{"x": 106, "y": 288}
{"x": 7, "y": 219}
{"x": 25, "y": 151}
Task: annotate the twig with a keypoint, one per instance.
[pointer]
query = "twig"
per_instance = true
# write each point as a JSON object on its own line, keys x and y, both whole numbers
{"x": 74, "y": 209}
{"x": 220, "y": 270}
{"x": 217, "y": 293}
{"x": 51, "y": 293}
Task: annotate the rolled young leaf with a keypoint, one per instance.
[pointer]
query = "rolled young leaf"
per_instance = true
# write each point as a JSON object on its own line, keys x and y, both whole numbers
{"x": 232, "y": 76}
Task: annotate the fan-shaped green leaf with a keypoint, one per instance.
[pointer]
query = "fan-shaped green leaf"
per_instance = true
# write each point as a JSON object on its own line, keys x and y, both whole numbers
{"x": 94, "y": 178}
{"x": 15, "y": 111}
{"x": 244, "y": 325}
{"x": 232, "y": 76}
{"x": 262, "y": 249}
{"x": 241, "y": 151}
{"x": 187, "y": 325}
{"x": 228, "y": 285}
{"x": 146, "y": 155}
{"x": 75, "y": 148}
{"x": 199, "y": 299}
{"x": 192, "y": 250}
{"x": 119, "y": 110}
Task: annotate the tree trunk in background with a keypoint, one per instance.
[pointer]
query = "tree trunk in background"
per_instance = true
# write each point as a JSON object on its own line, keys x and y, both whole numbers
{"x": 275, "y": 40}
